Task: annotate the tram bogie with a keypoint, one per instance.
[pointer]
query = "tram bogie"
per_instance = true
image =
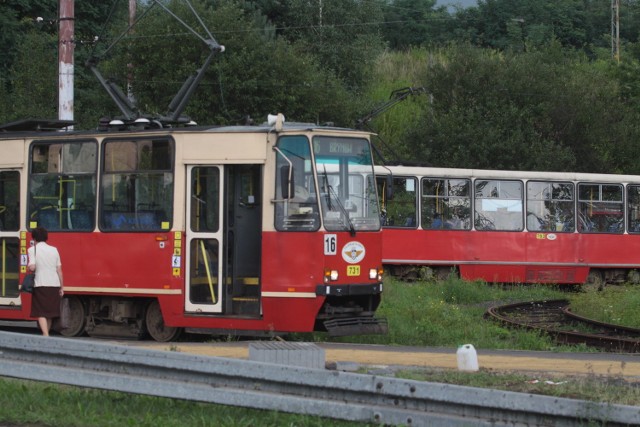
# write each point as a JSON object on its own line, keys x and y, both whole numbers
{"x": 111, "y": 316}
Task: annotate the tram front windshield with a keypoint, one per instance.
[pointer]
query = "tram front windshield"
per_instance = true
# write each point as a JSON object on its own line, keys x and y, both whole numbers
{"x": 345, "y": 184}
{"x": 333, "y": 181}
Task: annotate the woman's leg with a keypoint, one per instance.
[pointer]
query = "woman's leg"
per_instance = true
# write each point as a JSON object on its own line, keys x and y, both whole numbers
{"x": 45, "y": 325}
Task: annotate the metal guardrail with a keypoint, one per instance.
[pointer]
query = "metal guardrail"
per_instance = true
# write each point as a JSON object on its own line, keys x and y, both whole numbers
{"x": 332, "y": 394}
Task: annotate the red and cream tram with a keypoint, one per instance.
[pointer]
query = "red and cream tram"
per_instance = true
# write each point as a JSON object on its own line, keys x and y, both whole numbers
{"x": 230, "y": 230}
{"x": 513, "y": 227}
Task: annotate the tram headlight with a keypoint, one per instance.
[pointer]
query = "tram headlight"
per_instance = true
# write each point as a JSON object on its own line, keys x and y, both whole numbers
{"x": 376, "y": 273}
{"x": 330, "y": 275}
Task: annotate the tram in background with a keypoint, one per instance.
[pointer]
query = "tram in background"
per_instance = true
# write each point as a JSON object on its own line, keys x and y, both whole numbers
{"x": 511, "y": 227}
{"x": 225, "y": 230}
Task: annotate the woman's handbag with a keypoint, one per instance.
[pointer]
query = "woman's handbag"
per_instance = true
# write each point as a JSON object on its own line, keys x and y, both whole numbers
{"x": 61, "y": 323}
{"x": 28, "y": 282}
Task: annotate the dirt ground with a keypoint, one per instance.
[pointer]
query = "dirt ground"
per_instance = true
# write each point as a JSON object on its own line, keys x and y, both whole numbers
{"x": 349, "y": 356}
{"x": 353, "y": 356}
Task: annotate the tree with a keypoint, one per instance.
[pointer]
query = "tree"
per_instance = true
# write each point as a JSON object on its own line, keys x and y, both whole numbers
{"x": 34, "y": 92}
{"x": 414, "y": 23}
{"x": 344, "y": 35}
{"x": 17, "y": 18}
{"x": 256, "y": 74}
{"x": 545, "y": 109}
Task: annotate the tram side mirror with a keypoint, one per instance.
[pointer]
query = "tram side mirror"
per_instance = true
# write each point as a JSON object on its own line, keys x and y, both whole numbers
{"x": 287, "y": 184}
{"x": 389, "y": 188}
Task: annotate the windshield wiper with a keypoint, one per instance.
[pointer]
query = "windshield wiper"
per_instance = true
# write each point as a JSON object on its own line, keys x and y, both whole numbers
{"x": 330, "y": 191}
{"x": 352, "y": 228}
{"x": 327, "y": 188}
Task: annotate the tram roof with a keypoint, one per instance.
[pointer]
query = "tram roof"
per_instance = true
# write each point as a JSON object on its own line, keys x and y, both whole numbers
{"x": 460, "y": 173}
{"x": 33, "y": 128}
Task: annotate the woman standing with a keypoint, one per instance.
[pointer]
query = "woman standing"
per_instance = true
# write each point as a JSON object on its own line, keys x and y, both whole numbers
{"x": 44, "y": 259}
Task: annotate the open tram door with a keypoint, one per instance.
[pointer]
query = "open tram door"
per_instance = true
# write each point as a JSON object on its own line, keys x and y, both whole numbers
{"x": 223, "y": 243}
{"x": 12, "y": 255}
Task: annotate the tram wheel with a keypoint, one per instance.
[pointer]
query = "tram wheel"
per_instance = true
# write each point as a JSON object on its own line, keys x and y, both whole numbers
{"x": 444, "y": 273}
{"x": 155, "y": 324}
{"x": 77, "y": 318}
{"x": 595, "y": 281}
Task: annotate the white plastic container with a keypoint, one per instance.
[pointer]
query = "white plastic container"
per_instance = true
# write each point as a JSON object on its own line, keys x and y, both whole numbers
{"x": 467, "y": 358}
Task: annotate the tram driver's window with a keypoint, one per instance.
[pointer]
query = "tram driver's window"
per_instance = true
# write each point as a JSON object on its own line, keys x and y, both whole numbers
{"x": 298, "y": 210}
{"x": 62, "y": 186}
{"x": 137, "y": 185}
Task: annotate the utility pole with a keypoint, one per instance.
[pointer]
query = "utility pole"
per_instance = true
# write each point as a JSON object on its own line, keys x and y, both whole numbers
{"x": 615, "y": 29}
{"x": 132, "y": 21}
{"x": 66, "y": 47}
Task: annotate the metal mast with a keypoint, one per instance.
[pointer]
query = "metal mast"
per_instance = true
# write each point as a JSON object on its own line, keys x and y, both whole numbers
{"x": 615, "y": 29}
{"x": 66, "y": 44}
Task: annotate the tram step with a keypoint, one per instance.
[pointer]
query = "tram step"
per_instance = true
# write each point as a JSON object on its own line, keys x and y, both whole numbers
{"x": 246, "y": 305}
{"x": 356, "y": 326}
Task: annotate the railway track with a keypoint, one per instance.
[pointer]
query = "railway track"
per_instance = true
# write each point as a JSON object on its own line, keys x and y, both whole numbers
{"x": 555, "y": 318}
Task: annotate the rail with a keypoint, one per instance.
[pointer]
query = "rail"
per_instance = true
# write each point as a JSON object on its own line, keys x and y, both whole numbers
{"x": 556, "y": 319}
{"x": 331, "y": 394}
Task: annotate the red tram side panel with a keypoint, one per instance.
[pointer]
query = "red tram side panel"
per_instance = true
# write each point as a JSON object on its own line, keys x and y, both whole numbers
{"x": 244, "y": 230}
{"x": 559, "y": 227}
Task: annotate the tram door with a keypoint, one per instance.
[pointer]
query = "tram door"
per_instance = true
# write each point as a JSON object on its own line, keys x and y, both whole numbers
{"x": 223, "y": 239}
{"x": 10, "y": 251}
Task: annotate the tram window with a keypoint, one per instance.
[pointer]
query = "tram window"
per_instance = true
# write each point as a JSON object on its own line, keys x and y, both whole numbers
{"x": 401, "y": 211}
{"x": 550, "y": 206}
{"x": 203, "y": 271}
{"x": 633, "y": 208}
{"x": 62, "y": 186}
{"x": 600, "y": 208}
{"x": 300, "y": 212}
{"x": 498, "y": 205}
{"x": 137, "y": 185}
{"x": 446, "y": 204}
{"x": 9, "y": 200}
{"x": 10, "y": 262}
{"x": 205, "y": 199}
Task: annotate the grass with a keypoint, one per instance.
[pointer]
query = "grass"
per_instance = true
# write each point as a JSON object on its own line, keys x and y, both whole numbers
{"x": 451, "y": 312}
{"x": 423, "y": 313}
{"x": 34, "y": 404}
{"x": 616, "y": 304}
{"x": 610, "y": 389}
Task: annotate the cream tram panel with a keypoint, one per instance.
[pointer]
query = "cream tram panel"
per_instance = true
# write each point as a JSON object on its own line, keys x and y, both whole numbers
{"x": 218, "y": 148}
{"x": 13, "y": 152}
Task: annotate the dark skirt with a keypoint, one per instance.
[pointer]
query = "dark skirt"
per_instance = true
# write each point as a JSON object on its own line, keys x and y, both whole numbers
{"x": 45, "y": 302}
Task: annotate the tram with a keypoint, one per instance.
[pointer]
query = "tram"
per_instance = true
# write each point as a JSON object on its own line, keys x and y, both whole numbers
{"x": 224, "y": 230}
{"x": 511, "y": 226}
